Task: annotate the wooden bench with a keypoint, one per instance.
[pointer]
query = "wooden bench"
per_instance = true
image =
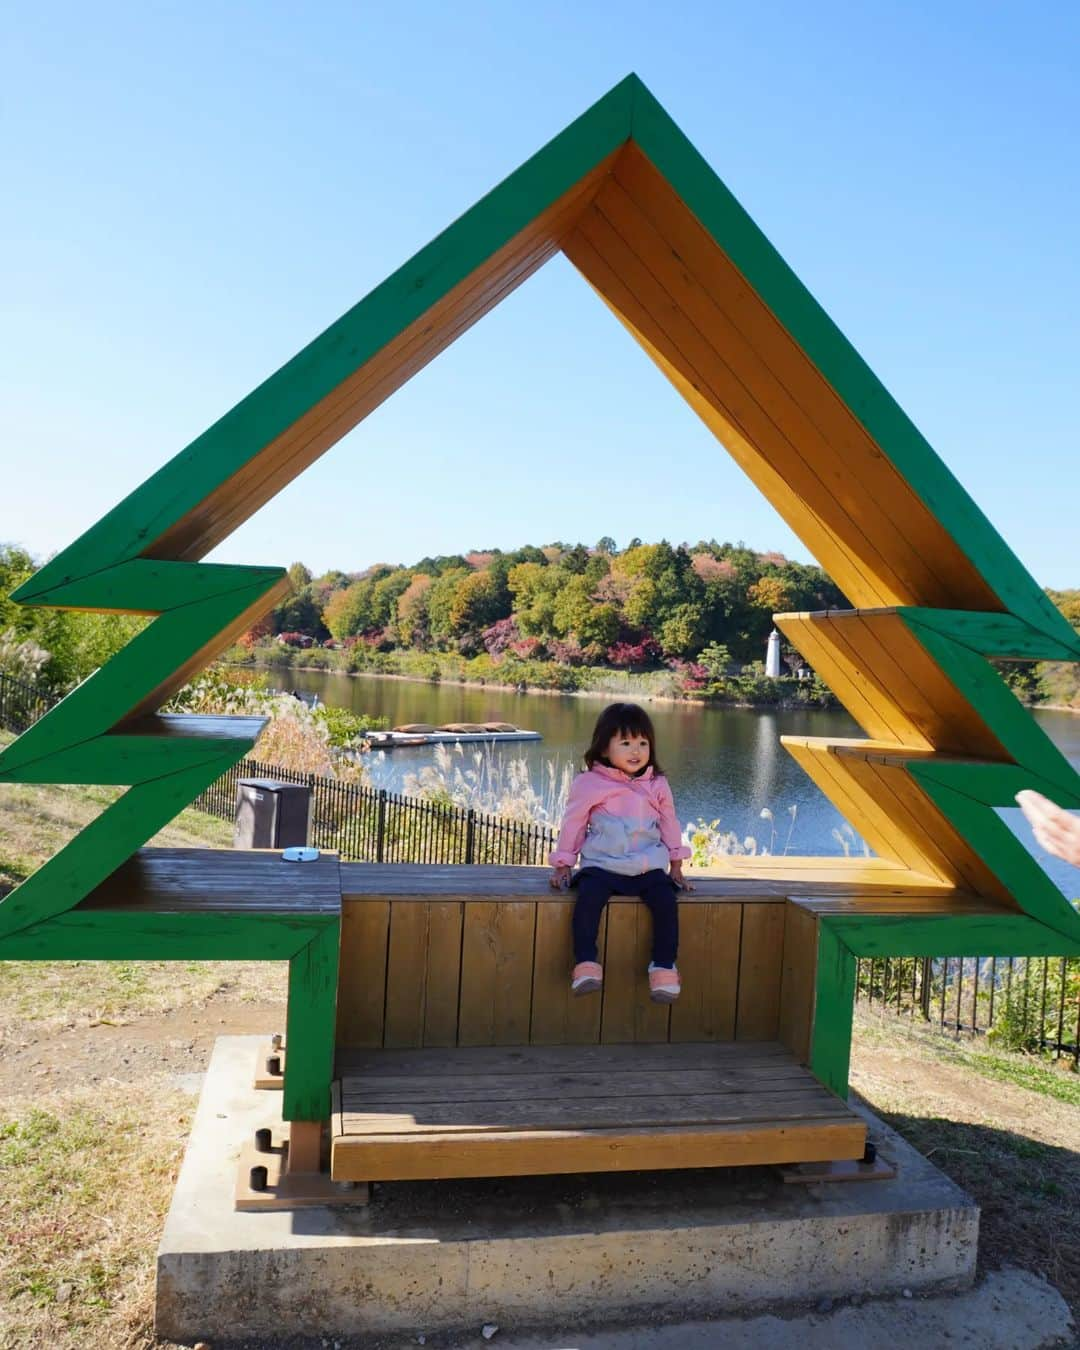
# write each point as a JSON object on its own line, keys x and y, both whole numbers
{"x": 461, "y": 1051}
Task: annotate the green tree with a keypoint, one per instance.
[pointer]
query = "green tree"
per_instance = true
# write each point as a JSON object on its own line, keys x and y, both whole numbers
{"x": 572, "y": 606}
{"x": 299, "y": 613}
{"x": 412, "y": 612}
{"x": 575, "y": 560}
{"x": 640, "y": 608}
{"x": 716, "y": 659}
{"x": 440, "y": 602}
{"x": 682, "y": 631}
{"x": 600, "y": 628}
{"x": 349, "y": 612}
{"x": 534, "y": 589}
{"x": 16, "y": 566}
{"x": 475, "y": 604}
{"x": 385, "y": 594}
{"x": 597, "y": 568}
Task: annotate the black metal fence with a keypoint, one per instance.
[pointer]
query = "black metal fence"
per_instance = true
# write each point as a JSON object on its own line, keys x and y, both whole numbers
{"x": 21, "y": 704}
{"x": 366, "y": 824}
{"x": 1020, "y": 1003}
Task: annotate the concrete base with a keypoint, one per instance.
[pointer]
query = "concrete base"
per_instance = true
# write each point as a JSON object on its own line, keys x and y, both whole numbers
{"x": 524, "y": 1251}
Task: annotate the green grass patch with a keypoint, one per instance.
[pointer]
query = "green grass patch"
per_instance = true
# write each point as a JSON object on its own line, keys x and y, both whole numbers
{"x": 1047, "y": 1077}
{"x": 1025, "y": 1071}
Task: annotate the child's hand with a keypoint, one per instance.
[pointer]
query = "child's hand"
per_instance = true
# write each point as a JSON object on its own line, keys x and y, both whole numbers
{"x": 677, "y": 877}
{"x": 560, "y": 878}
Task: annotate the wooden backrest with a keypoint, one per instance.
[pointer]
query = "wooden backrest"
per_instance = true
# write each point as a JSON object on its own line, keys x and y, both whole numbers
{"x": 482, "y": 956}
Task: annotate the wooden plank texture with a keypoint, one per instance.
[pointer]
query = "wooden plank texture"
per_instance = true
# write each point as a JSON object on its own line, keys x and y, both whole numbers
{"x": 501, "y": 1111}
{"x": 420, "y": 1089}
{"x": 719, "y": 1056}
{"x": 762, "y": 878}
{"x": 398, "y": 1158}
{"x": 179, "y": 880}
{"x": 758, "y": 1012}
{"x": 705, "y": 312}
{"x": 797, "y": 984}
{"x": 496, "y": 973}
{"x": 361, "y": 1012}
{"x": 423, "y": 974}
{"x": 709, "y": 942}
{"x": 390, "y": 1115}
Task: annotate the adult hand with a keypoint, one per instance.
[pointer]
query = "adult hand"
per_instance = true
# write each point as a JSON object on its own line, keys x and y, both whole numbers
{"x": 1055, "y": 829}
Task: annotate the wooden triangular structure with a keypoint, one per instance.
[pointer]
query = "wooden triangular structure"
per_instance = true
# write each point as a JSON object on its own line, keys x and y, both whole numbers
{"x": 658, "y": 236}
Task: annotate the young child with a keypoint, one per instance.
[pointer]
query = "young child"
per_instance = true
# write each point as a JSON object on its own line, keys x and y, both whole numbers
{"x": 620, "y": 817}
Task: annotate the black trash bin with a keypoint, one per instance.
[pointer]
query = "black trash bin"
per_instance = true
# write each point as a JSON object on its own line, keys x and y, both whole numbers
{"x": 271, "y": 814}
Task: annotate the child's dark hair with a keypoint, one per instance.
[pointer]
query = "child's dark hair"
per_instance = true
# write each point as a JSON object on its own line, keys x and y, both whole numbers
{"x": 621, "y": 719}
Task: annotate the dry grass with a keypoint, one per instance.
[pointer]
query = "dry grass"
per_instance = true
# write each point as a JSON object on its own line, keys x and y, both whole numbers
{"x": 85, "y": 1180}
{"x": 52, "y": 995}
{"x": 92, "y": 1130}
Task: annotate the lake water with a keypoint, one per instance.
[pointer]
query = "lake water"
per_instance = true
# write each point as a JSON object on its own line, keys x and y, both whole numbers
{"x": 725, "y": 764}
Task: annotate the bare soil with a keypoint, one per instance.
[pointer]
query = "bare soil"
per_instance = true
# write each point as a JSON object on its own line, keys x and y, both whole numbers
{"x": 1016, "y": 1151}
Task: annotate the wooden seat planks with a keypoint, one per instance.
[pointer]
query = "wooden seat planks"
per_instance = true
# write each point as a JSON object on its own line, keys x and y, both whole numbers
{"x": 490, "y": 1111}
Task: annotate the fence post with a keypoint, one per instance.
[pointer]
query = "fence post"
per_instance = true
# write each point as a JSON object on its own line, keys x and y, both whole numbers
{"x": 380, "y": 826}
{"x": 470, "y": 836}
{"x": 926, "y": 987}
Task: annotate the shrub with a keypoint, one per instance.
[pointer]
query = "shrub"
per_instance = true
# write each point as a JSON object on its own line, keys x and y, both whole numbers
{"x": 645, "y": 652}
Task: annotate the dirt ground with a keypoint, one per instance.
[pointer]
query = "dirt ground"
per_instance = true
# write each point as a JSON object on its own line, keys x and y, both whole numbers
{"x": 94, "y": 1113}
{"x": 1015, "y": 1150}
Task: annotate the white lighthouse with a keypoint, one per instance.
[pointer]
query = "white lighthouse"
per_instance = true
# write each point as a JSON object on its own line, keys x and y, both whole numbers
{"x": 772, "y": 656}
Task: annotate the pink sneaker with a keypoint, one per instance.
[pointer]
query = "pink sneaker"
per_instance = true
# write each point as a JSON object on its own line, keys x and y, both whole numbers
{"x": 588, "y": 978}
{"x": 664, "y": 986}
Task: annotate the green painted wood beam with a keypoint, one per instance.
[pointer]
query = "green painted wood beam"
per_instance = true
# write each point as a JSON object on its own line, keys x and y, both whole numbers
{"x": 996, "y": 704}
{"x": 310, "y": 1027}
{"x": 949, "y": 935}
{"x": 128, "y": 760}
{"x": 1002, "y": 852}
{"x": 146, "y": 585}
{"x": 834, "y": 1006}
{"x": 998, "y": 635}
{"x": 308, "y": 942}
{"x": 148, "y": 663}
{"x": 106, "y": 568}
{"x": 135, "y": 935}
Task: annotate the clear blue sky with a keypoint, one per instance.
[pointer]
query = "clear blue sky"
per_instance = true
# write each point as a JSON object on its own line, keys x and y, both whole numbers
{"x": 193, "y": 191}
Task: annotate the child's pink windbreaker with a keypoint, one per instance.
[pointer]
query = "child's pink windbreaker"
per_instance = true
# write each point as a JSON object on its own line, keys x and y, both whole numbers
{"x": 622, "y": 824}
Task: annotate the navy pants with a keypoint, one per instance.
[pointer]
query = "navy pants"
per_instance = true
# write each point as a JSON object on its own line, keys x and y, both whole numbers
{"x": 655, "y": 888}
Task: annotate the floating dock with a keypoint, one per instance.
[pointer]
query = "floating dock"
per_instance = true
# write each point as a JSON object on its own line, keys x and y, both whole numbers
{"x": 452, "y": 734}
